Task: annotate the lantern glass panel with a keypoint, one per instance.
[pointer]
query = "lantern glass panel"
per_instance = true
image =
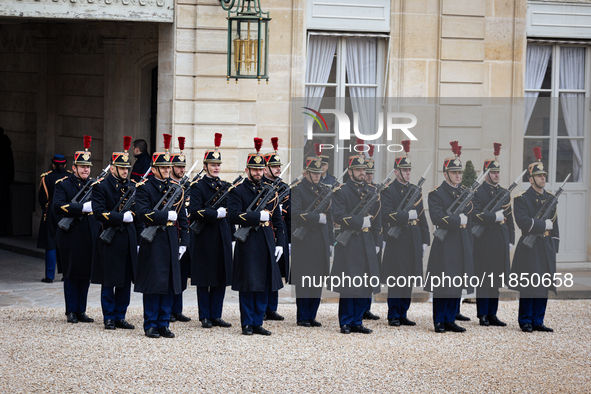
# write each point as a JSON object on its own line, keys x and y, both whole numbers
{"x": 244, "y": 48}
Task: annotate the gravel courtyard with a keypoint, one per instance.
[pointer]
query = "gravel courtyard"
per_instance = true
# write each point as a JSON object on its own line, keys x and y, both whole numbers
{"x": 41, "y": 353}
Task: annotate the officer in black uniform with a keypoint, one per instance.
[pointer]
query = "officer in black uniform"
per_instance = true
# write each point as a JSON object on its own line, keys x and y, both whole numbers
{"x": 75, "y": 246}
{"x": 311, "y": 255}
{"x": 255, "y": 270}
{"x": 541, "y": 259}
{"x": 271, "y": 172}
{"x": 211, "y": 249}
{"x": 179, "y": 164}
{"x": 403, "y": 257}
{"x": 113, "y": 263}
{"x": 359, "y": 257}
{"x": 142, "y": 160}
{"x": 158, "y": 268}
{"x": 453, "y": 255}
{"x": 48, "y": 224}
{"x": 326, "y": 178}
{"x": 491, "y": 250}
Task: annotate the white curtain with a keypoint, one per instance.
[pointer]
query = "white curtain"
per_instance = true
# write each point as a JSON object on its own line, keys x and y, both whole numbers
{"x": 572, "y": 76}
{"x": 321, "y": 50}
{"x": 361, "y": 66}
{"x": 536, "y": 65}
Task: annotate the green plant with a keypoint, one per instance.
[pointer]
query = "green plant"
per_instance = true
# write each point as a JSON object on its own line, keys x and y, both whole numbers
{"x": 469, "y": 174}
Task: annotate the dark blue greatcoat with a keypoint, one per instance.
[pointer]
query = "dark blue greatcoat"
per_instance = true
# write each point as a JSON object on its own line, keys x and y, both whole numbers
{"x": 48, "y": 224}
{"x": 110, "y": 260}
{"x": 159, "y": 260}
{"x": 285, "y": 206}
{"x": 141, "y": 165}
{"x": 211, "y": 249}
{"x": 75, "y": 246}
{"x": 250, "y": 272}
{"x": 491, "y": 250}
{"x": 403, "y": 256}
{"x": 310, "y": 256}
{"x": 359, "y": 257}
{"x": 453, "y": 255}
{"x": 542, "y": 258}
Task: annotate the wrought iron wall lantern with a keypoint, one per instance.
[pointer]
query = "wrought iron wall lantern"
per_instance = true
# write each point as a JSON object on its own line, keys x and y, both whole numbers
{"x": 248, "y": 40}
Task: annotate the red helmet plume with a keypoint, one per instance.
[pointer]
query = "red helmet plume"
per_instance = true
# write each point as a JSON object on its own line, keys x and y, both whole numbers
{"x": 454, "y": 147}
{"x": 258, "y": 143}
{"x": 275, "y": 143}
{"x": 370, "y": 151}
{"x": 406, "y": 146}
{"x": 87, "y": 140}
{"x": 167, "y": 138}
{"x": 459, "y": 152}
{"x": 318, "y": 149}
{"x": 217, "y": 140}
{"x": 182, "y": 143}
{"x": 497, "y": 148}
{"x": 538, "y": 153}
{"x": 360, "y": 141}
{"x": 126, "y": 142}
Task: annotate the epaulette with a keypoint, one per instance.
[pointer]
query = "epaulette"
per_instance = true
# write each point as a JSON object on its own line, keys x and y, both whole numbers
{"x": 99, "y": 181}
{"x": 70, "y": 171}
{"x": 434, "y": 189}
{"x": 369, "y": 184}
{"x": 520, "y": 194}
{"x": 61, "y": 179}
{"x": 549, "y": 193}
{"x": 140, "y": 183}
{"x": 45, "y": 174}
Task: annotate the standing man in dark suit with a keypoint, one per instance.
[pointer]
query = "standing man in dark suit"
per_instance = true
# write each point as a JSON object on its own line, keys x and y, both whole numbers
{"x": 113, "y": 264}
{"x": 255, "y": 270}
{"x": 142, "y": 160}
{"x": 359, "y": 257}
{"x": 75, "y": 246}
{"x": 541, "y": 259}
{"x": 158, "y": 268}
{"x": 453, "y": 255}
{"x": 326, "y": 178}
{"x": 211, "y": 249}
{"x": 48, "y": 224}
{"x": 403, "y": 256}
{"x": 491, "y": 250}
{"x": 179, "y": 164}
{"x": 311, "y": 255}
{"x": 271, "y": 172}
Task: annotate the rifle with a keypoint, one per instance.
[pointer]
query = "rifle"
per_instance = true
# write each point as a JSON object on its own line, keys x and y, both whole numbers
{"x": 81, "y": 197}
{"x": 168, "y": 200}
{"x": 257, "y": 205}
{"x": 363, "y": 207}
{"x": 409, "y": 202}
{"x": 215, "y": 202}
{"x": 496, "y": 204}
{"x": 125, "y": 203}
{"x": 460, "y": 203}
{"x": 319, "y": 204}
{"x": 545, "y": 212}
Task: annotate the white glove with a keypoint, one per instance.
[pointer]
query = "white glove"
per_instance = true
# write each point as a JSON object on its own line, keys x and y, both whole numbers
{"x": 549, "y": 224}
{"x": 412, "y": 214}
{"x": 463, "y": 219}
{"x": 87, "y": 207}
{"x": 383, "y": 245}
{"x": 172, "y": 216}
{"x": 499, "y": 216}
{"x": 289, "y": 249}
{"x": 138, "y": 248}
{"x": 127, "y": 217}
{"x": 264, "y": 216}
{"x": 511, "y": 247}
{"x": 278, "y": 252}
{"x": 366, "y": 222}
{"x": 221, "y": 212}
{"x": 233, "y": 246}
{"x": 377, "y": 249}
{"x": 322, "y": 218}
{"x": 424, "y": 249}
{"x": 182, "y": 250}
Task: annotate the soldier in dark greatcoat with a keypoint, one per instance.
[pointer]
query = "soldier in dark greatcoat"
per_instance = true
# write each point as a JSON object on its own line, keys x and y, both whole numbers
{"x": 311, "y": 255}
{"x": 158, "y": 268}
{"x": 114, "y": 263}
{"x": 272, "y": 172}
{"x": 541, "y": 259}
{"x": 75, "y": 245}
{"x": 359, "y": 258}
{"x": 451, "y": 257}
{"x": 403, "y": 256}
{"x": 491, "y": 250}
{"x": 48, "y": 224}
{"x": 179, "y": 164}
{"x": 255, "y": 270}
{"x": 211, "y": 249}
{"x": 142, "y": 160}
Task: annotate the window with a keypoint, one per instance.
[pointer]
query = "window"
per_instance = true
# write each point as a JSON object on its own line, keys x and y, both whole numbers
{"x": 556, "y": 116}
{"x": 345, "y": 72}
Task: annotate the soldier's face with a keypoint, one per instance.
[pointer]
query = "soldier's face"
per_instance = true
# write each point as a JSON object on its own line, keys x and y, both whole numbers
{"x": 161, "y": 173}
{"x": 119, "y": 172}
{"x": 494, "y": 177}
{"x": 314, "y": 177}
{"x": 179, "y": 172}
{"x": 213, "y": 169}
{"x": 255, "y": 174}
{"x": 455, "y": 177}
{"x": 369, "y": 177}
{"x": 403, "y": 174}
{"x": 324, "y": 168}
{"x": 81, "y": 172}
{"x": 274, "y": 170}
{"x": 539, "y": 179}
{"x": 357, "y": 174}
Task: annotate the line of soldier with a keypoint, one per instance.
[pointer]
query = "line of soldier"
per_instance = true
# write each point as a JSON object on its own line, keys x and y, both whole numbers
{"x": 160, "y": 268}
